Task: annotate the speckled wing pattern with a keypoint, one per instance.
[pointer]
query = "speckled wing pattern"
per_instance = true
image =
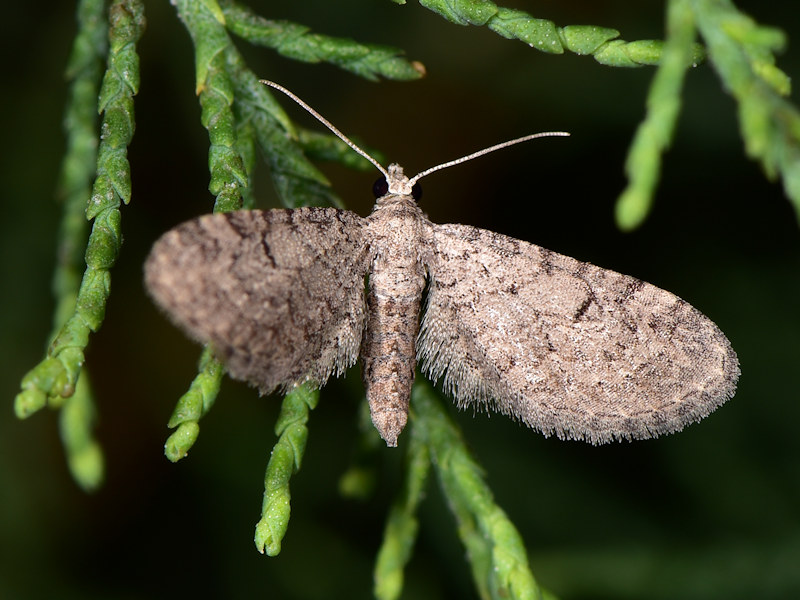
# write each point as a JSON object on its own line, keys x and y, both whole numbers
{"x": 566, "y": 347}
{"x": 279, "y": 294}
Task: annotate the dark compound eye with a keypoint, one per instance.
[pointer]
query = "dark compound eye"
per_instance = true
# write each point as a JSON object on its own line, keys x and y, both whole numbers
{"x": 380, "y": 187}
{"x": 416, "y": 191}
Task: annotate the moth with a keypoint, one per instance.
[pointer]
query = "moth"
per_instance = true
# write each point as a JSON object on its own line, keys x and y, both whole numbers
{"x": 568, "y": 348}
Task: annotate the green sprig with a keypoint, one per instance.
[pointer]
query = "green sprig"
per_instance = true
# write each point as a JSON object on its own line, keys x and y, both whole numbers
{"x": 402, "y": 524}
{"x": 206, "y": 26}
{"x": 653, "y": 137}
{"x": 544, "y": 35}
{"x": 295, "y": 41}
{"x": 742, "y": 53}
{"x": 496, "y": 553}
{"x": 55, "y": 378}
{"x": 194, "y": 405}
{"x": 287, "y": 456}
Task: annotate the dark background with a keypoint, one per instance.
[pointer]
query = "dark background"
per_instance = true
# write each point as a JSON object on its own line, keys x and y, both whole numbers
{"x": 712, "y": 512}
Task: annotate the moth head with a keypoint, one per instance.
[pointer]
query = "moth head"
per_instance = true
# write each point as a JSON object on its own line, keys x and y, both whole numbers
{"x": 396, "y": 183}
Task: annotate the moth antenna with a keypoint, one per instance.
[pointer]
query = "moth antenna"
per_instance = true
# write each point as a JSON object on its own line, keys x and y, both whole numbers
{"x": 499, "y": 146}
{"x": 327, "y": 124}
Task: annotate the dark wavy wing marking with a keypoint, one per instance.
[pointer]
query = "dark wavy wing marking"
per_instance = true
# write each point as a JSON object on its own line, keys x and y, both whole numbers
{"x": 279, "y": 294}
{"x": 567, "y": 347}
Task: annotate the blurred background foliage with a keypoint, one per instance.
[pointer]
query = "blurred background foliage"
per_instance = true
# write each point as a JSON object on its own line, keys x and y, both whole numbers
{"x": 713, "y": 512}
